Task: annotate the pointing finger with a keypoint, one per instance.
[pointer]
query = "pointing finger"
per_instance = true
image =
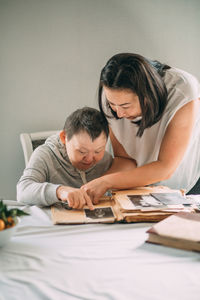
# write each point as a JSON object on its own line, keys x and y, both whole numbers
{"x": 89, "y": 202}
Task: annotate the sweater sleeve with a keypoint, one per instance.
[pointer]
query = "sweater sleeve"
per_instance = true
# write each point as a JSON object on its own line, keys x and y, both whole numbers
{"x": 34, "y": 187}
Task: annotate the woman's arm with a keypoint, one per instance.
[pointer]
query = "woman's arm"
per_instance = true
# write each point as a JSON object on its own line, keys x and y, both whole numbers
{"x": 172, "y": 149}
{"x": 121, "y": 161}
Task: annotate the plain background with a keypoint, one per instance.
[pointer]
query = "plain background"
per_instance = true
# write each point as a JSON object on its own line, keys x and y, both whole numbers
{"x": 52, "y": 52}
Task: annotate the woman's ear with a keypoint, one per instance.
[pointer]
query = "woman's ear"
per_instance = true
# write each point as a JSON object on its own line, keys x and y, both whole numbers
{"x": 62, "y": 136}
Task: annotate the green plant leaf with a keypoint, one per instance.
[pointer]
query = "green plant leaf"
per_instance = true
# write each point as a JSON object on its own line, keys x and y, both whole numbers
{"x": 17, "y": 212}
{"x": 14, "y": 212}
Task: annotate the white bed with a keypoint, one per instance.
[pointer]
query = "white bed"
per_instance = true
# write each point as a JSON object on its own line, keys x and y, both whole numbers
{"x": 96, "y": 262}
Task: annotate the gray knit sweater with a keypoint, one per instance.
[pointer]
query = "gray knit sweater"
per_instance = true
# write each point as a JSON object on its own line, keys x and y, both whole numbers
{"x": 50, "y": 167}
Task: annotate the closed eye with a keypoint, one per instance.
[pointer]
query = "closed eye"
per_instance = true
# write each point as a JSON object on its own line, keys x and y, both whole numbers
{"x": 82, "y": 152}
{"x": 125, "y": 106}
{"x": 97, "y": 152}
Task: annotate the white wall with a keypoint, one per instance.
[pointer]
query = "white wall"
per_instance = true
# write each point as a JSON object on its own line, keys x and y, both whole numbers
{"x": 52, "y": 51}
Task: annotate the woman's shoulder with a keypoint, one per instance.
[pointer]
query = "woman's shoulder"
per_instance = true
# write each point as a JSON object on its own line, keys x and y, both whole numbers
{"x": 183, "y": 82}
{"x": 179, "y": 76}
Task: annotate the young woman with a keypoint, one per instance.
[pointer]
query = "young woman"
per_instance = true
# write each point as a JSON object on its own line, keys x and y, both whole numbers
{"x": 154, "y": 116}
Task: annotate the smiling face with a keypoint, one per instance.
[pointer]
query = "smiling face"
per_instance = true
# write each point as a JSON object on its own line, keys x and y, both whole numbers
{"x": 82, "y": 151}
{"x": 124, "y": 102}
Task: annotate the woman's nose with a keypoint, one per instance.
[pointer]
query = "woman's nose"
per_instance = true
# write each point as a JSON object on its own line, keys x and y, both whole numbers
{"x": 120, "y": 112}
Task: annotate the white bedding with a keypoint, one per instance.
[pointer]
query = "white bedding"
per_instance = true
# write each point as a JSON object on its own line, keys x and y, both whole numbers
{"x": 97, "y": 262}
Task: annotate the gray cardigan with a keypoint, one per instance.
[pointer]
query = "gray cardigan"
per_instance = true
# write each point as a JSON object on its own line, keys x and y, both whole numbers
{"x": 48, "y": 168}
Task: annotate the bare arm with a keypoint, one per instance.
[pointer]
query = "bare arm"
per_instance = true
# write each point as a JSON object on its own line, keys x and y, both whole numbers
{"x": 172, "y": 149}
{"x": 121, "y": 161}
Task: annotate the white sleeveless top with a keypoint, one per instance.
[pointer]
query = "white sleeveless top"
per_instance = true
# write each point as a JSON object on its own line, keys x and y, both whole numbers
{"x": 182, "y": 88}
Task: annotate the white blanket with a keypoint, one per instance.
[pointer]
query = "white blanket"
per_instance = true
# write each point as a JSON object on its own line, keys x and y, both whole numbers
{"x": 94, "y": 262}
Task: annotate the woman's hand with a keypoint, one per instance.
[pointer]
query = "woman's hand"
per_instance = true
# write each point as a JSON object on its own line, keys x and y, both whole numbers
{"x": 95, "y": 189}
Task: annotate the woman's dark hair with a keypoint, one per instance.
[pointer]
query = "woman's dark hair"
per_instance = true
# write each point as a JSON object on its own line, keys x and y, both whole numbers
{"x": 144, "y": 78}
{"x": 86, "y": 119}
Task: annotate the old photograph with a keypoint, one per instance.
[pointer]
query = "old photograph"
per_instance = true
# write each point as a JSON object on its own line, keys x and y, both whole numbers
{"x": 99, "y": 213}
{"x": 141, "y": 201}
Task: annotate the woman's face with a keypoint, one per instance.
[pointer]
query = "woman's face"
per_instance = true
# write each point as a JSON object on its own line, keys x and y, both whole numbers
{"x": 124, "y": 102}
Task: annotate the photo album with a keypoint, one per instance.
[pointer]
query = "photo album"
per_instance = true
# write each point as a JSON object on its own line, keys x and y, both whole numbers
{"x": 170, "y": 233}
{"x": 144, "y": 204}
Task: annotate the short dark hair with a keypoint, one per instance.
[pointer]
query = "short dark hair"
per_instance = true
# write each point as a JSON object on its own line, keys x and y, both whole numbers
{"x": 86, "y": 119}
{"x": 144, "y": 78}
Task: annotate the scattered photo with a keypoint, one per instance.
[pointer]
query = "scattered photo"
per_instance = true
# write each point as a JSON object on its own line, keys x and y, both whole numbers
{"x": 144, "y": 201}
